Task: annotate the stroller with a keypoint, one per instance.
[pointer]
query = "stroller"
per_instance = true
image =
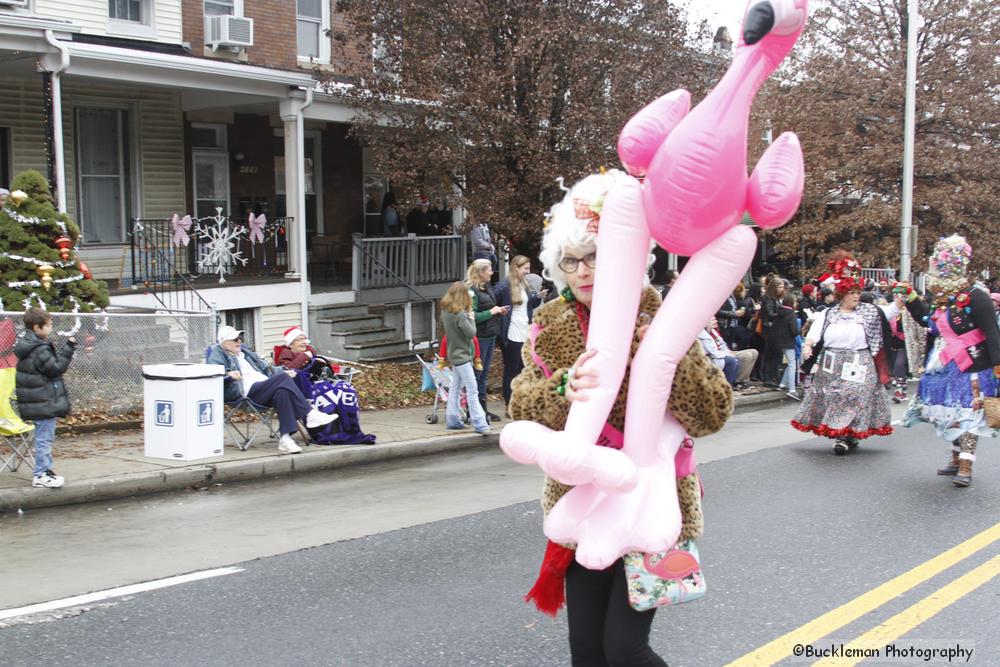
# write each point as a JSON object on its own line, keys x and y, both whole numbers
{"x": 441, "y": 378}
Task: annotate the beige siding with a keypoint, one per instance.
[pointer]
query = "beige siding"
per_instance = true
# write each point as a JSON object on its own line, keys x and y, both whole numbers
{"x": 156, "y": 157}
{"x": 92, "y": 17}
{"x": 21, "y": 111}
{"x": 273, "y": 322}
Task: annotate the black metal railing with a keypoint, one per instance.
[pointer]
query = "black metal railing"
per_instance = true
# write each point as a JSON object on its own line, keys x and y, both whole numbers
{"x": 155, "y": 269}
{"x": 177, "y": 254}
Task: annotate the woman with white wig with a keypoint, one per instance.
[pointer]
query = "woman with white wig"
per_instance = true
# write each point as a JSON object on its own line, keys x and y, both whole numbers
{"x": 603, "y": 627}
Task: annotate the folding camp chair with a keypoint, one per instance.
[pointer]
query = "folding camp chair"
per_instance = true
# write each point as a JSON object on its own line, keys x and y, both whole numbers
{"x": 15, "y": 435}
{"x": 243, "y": 420}
{"x": 242, "y": 430}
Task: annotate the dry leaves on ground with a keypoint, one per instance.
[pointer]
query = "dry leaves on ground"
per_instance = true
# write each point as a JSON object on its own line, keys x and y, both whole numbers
{"x": 389, "y": 386}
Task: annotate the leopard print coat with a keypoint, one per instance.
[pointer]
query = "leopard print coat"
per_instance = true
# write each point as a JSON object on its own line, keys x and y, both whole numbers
{"x": 701, "y": 399}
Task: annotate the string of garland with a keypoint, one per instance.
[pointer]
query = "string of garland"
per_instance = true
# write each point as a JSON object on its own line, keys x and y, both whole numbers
{"x": 29, "y": 220}
{"x": 39, "y": 262}
{"x": 36, "y": 283}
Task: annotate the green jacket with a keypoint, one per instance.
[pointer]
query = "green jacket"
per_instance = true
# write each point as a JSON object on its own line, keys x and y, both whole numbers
{"x": 460, "y": 330}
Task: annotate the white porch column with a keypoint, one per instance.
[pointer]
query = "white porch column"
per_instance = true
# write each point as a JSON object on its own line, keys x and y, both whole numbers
{"x": 295, "y": 191}
{"x": 57, "y": 66}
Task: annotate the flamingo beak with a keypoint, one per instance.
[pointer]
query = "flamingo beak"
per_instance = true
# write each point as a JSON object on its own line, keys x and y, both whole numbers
{"x": 758, "y": 22}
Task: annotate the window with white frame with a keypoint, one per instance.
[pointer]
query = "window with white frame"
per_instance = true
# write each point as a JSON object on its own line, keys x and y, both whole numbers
{"x": 102, "y": 164}
{"x": 223, "y": 7}
{"x": 126, "y": 10}
{"x": 312, "y": 28}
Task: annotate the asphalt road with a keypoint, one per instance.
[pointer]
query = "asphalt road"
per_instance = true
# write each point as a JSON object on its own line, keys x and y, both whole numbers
{"x": 792, "y": 533}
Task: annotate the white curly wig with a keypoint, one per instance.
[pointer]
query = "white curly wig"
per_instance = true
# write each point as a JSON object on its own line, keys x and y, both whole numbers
{"x": 567, "y": 230}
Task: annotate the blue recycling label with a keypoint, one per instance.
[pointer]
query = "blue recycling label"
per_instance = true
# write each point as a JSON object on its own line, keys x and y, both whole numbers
{"x": 164, "y": 411}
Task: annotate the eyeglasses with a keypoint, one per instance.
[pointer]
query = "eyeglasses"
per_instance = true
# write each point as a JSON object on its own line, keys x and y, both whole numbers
{"x": 571, "y": 264}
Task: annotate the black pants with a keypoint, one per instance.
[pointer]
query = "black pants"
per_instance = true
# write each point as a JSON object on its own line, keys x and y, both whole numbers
{"x": 512, "y": 365}
{"x": 603, "y": 629}
{"x": 770, "y": 369}
{"x": 281, "y": 393}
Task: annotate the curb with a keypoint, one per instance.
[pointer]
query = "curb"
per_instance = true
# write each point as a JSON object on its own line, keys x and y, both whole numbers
{"x": 176, "y": 479}
{"x": 757, "y": 401}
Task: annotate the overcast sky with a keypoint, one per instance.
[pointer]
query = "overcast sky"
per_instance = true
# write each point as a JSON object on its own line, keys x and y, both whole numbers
{"x": 718, "y": 12}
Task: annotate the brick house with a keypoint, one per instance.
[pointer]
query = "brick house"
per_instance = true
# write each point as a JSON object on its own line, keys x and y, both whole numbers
{"x": 142, "y": 109}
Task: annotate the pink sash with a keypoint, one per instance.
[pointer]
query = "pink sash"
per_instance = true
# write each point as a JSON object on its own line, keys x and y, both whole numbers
{"x": 958, "y": 345}
{"x": 684, "y": 462}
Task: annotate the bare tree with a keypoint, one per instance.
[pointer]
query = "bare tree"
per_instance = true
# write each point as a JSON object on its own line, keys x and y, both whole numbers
{"x": 498, "y": 98}
{"x": 845, "y": 99}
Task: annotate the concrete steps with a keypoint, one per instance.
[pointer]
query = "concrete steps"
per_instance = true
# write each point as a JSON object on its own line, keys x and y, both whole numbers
{"x": 352, "y": 323}
{"x": 360, "y": 336}
{"x": 376, "y": 351}
{"x": 352, "y": 333}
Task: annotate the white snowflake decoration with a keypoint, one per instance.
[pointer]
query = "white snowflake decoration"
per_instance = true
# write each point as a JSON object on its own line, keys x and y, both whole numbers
{"x": 219, "y": 247}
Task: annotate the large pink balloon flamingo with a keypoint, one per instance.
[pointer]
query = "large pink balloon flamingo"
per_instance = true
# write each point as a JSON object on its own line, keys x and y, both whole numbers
{"x": 691, "y": 202}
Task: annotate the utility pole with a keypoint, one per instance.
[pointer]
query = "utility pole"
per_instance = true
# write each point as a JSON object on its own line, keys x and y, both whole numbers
{"x": 912, "y": 20}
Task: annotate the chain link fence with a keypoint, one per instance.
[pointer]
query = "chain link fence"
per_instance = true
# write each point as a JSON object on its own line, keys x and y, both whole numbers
{"x": 105, "y": 375}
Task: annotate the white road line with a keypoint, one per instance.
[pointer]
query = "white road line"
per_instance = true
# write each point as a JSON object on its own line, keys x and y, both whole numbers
{"x": 116, "y": 592}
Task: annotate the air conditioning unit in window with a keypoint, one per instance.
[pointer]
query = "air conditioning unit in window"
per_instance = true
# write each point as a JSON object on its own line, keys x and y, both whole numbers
{"x": 13, "y": 3}
{"x": 231, "y": 31}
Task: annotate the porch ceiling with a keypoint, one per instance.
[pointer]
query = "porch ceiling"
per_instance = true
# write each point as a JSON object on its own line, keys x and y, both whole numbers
{"x": 216, "y": 79}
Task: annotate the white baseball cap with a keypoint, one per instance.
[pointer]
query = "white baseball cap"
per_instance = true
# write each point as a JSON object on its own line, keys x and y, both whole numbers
{"x": 229, "y": 333}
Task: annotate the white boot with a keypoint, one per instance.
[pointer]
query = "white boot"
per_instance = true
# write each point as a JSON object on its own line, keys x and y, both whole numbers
{"x": 287, "y": 446}
{"x": 315, "y": 418}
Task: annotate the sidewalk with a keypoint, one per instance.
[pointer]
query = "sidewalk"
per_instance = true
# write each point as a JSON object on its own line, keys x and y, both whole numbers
{"x": 108, "y": 465}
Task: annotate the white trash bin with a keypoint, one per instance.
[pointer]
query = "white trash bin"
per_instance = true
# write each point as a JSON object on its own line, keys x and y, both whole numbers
{"x": 183, "y": 411}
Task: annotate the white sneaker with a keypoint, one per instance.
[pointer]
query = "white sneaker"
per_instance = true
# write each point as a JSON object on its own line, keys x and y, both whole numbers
{"x": 287, "y": 446}
{"x": 47, "y": 480}
{"x": 315, "y": 419}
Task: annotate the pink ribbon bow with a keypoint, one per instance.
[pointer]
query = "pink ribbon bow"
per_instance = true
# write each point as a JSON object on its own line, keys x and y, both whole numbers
{"x": 181, "y": 227}
{"x": 257, "y": 228}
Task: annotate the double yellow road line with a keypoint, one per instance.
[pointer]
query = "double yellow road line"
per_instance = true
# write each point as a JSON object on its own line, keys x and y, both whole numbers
{"x": 782, "y": 647}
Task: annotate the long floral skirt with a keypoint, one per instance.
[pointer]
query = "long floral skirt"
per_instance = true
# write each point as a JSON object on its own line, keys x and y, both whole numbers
{"x": 835, "y": 407}
{"x": 946, "y": 400}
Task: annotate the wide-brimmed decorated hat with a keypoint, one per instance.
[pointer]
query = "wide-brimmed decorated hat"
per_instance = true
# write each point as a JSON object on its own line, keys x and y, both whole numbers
{"x": 949, "y": 264}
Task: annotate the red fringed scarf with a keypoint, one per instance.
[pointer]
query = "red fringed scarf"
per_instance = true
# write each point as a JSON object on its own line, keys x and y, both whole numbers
{"x": 549, "y": 591}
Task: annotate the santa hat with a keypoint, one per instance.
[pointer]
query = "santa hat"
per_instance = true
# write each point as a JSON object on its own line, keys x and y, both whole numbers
{"x": 808, "y": 289}
{"x": 291, "y": 334}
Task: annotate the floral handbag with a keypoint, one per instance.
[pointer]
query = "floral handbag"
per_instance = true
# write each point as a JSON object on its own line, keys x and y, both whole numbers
{"x": 667, "y": 578}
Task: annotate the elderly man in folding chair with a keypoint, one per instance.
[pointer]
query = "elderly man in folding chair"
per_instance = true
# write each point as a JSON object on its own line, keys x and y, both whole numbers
{"x": 249, "y": 376}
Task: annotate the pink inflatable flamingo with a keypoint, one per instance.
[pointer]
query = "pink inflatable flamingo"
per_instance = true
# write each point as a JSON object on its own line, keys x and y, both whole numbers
{"x": 695, "y": 192}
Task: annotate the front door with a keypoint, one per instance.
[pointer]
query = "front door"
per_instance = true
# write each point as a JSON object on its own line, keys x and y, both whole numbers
{"x": 211, "y": 183}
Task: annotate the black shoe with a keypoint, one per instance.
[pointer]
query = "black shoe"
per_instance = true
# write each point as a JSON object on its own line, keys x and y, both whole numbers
{"x": 840, "y": 448}
{"x": 493, "y": 418}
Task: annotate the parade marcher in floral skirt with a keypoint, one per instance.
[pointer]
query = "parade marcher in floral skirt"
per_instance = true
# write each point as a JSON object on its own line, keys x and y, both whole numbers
{"x": 845, "y": 401}
{"x": 964, "y": 358}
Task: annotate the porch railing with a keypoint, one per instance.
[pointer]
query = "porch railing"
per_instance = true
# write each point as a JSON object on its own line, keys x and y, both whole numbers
{"x": 176, "y": 254}
{"x": 414, "y": 261}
